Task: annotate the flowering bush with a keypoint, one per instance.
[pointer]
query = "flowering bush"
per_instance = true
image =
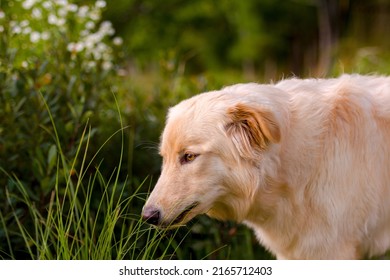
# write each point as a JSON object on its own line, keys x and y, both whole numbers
{"x": 37, "y": 28}
{"x": 58, "y": 65}
{"x": 66, "y": 54}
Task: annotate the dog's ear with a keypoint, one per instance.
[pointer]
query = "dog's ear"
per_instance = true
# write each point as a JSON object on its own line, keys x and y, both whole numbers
{"x": 251, "y": 129}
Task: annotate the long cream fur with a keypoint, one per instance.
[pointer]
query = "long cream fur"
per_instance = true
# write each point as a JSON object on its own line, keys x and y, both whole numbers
{"x": 304, "y": 163}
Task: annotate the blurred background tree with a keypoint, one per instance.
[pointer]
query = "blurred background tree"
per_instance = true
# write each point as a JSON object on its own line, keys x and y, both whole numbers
{"x": 262, "y": 39}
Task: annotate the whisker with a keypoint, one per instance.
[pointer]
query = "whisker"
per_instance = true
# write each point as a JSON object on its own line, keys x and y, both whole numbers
{"x": 148, "y": 145}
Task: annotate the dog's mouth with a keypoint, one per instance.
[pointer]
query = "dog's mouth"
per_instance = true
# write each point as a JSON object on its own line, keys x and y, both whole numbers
{"x": 181, "y": 216}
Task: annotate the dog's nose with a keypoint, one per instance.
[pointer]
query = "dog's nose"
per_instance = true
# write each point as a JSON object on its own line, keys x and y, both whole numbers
{"x": 151, "y": 215}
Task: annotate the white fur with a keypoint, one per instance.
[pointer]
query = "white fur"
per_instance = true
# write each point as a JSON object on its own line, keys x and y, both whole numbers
{"x": 305, "y": 163}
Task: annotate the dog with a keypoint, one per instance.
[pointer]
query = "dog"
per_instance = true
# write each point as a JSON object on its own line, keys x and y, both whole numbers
{"x": 305, "y": 163}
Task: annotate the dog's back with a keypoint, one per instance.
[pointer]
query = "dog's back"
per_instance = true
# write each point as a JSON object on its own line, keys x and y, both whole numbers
{"x": 339, "y": 149}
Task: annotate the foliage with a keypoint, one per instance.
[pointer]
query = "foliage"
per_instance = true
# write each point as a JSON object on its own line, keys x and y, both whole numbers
{"x": 267, "y": 39}
{"x": 70, "y": 63}
{"x": 81, "y": 111}
{"x": 252, "y": 36}
{"x": 57, "y": 53}
{"x": 81, "y": 221}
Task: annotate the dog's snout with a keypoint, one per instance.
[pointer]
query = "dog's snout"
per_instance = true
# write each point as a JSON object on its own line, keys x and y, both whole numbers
{"x": 151, "y": 215}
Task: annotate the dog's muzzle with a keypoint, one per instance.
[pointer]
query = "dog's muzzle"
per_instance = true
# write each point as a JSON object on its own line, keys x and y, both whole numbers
{"x": 153, "y": 216}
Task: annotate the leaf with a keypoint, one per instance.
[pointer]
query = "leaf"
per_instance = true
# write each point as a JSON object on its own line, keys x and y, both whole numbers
{"x": 52, "y": 157}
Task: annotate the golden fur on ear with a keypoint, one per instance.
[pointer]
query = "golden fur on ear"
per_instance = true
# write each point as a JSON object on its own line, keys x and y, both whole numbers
{"x": 252, "y": 129}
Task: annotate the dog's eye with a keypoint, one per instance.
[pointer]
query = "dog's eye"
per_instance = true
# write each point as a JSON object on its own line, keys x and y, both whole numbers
{"x": 188, "y": 157}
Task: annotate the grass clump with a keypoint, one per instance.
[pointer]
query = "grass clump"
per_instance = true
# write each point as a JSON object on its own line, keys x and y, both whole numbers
{"x": 86, "y": 217}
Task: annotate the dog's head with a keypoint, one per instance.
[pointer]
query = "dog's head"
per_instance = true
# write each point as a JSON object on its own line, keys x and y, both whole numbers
{"x": 211, "y": 146}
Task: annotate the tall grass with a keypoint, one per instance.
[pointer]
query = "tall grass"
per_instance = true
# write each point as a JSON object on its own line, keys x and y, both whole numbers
{"x": 74, "y": 224}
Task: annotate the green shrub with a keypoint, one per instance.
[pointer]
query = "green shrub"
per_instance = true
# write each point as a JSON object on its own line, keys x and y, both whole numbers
{"x": 60, "y": 50}
{"x": 57, "y": 54}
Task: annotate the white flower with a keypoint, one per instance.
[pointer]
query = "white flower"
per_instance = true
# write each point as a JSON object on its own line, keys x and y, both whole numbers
{"x": 106, "y": 25}
{"x": 54, "y": 20}
{"x": 35, "y": 36}
{"x": 45, "y": 35}
{"x": 47, "y": 5}
{"x": 106, "y": 28}
{"x": 100, "y": 49}
{"x": 90, "y": 25}
{"x": 25, "y": 64}
{"x": 27, "y": 30}
{"x": 95, "y": 15}
{"x": 24, "y": 23}
{"x": 96, "y": 54}
{"x": 107, "y": 65}
{"x": 61, "y": 22}
{"x": 75, "y": 47}
{"x": 27, "y": 4}
{"x": 37, "y": 13}
{"x": 1, "y": 28}
{"x": 100, "y": 4}
{"x": 91, "y": 64}
{"x": 83, "y": 11}
{"x": 94, "y": 38}
{"x": 89, "y": 45}
{"x": 62, "y": 2}
{"x": 117, "y": 41}
{"x": 72, "y": 8}
{"x": 16, "y": 29}
{"x": 62, "y": 12}
{"x": 2, "y": 15}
